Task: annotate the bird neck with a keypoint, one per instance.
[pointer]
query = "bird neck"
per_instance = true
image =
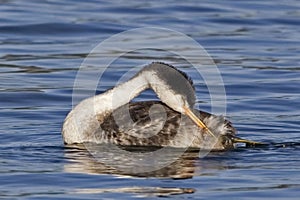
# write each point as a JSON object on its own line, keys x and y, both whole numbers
{"x": 120, "y": 95}
{"x": 83, "y": 120}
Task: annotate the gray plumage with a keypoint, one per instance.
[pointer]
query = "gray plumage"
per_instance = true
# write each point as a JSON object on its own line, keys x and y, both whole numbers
{"x": 98, "y": 120}
{"x": 117, "y": 129}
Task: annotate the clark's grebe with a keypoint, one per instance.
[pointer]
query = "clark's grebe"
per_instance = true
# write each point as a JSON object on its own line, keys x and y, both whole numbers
{"x": 175, "y": 124}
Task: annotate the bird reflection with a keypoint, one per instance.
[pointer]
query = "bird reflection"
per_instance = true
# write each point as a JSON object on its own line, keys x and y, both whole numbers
{"x": 103, "y": 159}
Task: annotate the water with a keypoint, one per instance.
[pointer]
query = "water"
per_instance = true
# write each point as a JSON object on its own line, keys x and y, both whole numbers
{"x": 256, "y": 46}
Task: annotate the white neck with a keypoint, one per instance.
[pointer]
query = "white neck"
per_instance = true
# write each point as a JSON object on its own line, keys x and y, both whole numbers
{"x": 120, "y": 95}
{"x": 82, "y": 121}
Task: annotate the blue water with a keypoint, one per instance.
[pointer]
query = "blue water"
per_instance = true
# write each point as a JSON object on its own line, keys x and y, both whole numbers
{"x": 256, "y": 46}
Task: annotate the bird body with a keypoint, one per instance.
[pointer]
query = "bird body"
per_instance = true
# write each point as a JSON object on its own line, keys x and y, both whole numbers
{"x": 152, "y": 123}
{"x": 110, "y": 117}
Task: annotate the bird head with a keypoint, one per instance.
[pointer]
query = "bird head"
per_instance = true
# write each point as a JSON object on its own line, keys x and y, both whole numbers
{"x": 174, "y": 88}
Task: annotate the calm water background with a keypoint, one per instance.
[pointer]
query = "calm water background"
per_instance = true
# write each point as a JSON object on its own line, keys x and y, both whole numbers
{"x": 256, "y": 46}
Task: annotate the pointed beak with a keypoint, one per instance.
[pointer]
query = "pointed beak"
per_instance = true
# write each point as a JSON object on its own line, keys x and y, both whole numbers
{"x": 247, "y": 142}
{"x": 197, "y": 121}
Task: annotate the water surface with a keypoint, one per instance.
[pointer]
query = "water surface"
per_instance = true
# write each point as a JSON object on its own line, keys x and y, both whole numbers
{"x": 255, "y": 44}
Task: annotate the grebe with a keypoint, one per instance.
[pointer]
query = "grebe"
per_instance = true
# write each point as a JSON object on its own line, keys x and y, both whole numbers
{"x": 175, "y": 124}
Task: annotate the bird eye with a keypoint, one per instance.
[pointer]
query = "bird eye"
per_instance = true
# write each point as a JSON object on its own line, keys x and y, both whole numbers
{"x": 225, "y": 140}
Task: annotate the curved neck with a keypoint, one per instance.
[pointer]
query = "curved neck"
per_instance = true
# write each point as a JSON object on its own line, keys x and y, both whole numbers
{"x": 120, "y": 95}
{"x": 83, "y": 120}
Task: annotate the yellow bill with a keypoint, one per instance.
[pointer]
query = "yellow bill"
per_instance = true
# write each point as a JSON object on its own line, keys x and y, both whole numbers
{"x": 248, "y": 142}
{"x": 197, "y": 121}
